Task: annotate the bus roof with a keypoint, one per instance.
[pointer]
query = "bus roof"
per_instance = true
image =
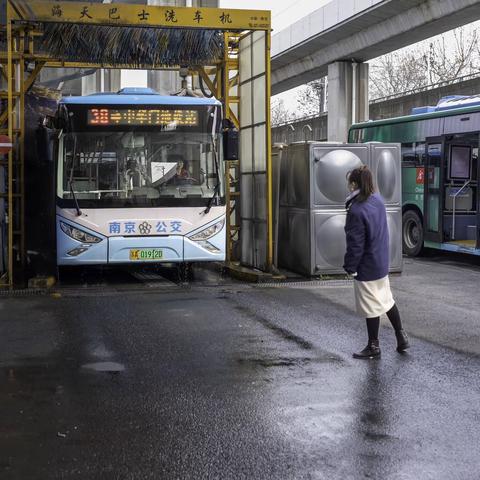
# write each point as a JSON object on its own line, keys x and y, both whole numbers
{"x": 441, "y": 112}
{"x": 136, "y": 96}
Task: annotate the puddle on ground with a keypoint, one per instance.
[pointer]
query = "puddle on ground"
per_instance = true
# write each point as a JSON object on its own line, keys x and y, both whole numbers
{"x": 282, "y": 332}
{"x": 108, "y": 367}
{"x": 284, "y": 362}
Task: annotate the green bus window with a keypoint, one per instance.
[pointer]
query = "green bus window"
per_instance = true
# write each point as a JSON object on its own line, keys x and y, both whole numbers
{"x": 408, "y": 154}
{"x": 419, "y": 153}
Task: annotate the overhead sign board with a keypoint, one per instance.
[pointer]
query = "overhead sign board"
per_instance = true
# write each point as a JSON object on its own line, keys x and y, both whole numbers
{"x": 141, "y": 15}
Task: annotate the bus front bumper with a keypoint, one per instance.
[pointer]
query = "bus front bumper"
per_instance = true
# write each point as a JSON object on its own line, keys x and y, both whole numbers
{"x": 122, "y": 250}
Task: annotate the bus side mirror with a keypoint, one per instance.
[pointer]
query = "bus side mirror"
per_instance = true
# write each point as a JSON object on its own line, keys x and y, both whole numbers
{"x": 230, "y": 144}
{"x": 62, "y": 120}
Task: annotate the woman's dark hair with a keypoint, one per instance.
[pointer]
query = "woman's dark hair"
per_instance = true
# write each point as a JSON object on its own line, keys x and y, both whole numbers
{"x": 362, "y": 176}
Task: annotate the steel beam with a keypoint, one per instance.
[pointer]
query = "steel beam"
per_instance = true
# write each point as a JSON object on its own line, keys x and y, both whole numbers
{"x": 27, "y": 84}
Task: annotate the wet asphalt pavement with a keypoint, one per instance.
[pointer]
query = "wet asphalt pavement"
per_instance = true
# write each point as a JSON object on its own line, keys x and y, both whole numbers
{"x": 148, "y": 379}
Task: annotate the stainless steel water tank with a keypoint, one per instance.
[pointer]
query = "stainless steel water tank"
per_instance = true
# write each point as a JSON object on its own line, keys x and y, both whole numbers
{"x": 311, "y": 236}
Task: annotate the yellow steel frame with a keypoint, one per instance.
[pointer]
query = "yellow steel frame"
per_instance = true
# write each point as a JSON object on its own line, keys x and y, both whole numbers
{"x": 268, "y": 93}
{"x": 24, "y": 16}
{"x": 222, "y": 80}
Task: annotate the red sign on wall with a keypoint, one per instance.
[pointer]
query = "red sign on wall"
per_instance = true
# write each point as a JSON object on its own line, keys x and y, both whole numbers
{"x": 420, "y": 176}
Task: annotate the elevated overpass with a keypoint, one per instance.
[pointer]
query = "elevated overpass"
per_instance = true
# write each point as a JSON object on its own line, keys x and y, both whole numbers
{"x": 336, "y": 39}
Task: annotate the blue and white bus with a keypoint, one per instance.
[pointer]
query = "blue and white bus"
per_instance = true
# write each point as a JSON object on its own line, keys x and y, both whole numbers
{"x": 140, "y": 178}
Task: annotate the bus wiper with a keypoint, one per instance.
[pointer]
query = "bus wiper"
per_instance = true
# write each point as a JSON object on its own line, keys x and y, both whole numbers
{"x": 217, "y": 186}
{"x": 212, "y": 198}
{"x": 79, "y": 212}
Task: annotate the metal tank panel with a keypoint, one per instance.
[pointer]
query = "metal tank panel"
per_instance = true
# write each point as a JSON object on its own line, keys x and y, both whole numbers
{"x": 295, "y": 252}
{"x": 329, "y": 240}
{"x": 387, "y": 177}
{"x": 394, "y": 222}
{"x": 298, "y": 171}
{"x": 330, "y": 168}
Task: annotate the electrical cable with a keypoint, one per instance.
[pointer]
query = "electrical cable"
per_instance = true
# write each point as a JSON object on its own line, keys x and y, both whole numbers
{"x": 202, "y": 88}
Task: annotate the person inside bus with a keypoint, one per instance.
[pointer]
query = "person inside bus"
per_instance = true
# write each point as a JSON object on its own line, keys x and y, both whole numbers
{"x": 367, "y": 260}
{"x": 182, "y": 175}
{"x": 182, "y": 170}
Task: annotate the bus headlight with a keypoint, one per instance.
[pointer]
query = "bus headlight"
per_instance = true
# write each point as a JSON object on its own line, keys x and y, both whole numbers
{"x": 208, "y": 232}
{"x": 208, "y": 246}
{"x": 77, "y": 251}
{"x": 78, "y": 234}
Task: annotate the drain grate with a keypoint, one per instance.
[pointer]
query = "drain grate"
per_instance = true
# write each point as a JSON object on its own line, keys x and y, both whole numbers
{"x": 25, "y": 292}
{"x": 309, "y": 284}
{"x": 153, "y": 280}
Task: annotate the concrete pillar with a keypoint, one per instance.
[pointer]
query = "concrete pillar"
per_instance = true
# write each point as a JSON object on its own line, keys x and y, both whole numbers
{"x": 347, "y": 98}
{"x": 363, "y": 101}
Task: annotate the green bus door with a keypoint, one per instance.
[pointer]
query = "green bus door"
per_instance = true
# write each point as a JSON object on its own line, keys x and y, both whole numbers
{"x": 433, "y": 194}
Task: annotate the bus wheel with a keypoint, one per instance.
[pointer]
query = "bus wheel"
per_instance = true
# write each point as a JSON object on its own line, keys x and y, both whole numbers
{"x": 412, "y": 233}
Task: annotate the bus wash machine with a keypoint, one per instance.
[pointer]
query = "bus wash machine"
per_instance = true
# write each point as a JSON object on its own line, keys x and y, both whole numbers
{"x": 313, "y": 189}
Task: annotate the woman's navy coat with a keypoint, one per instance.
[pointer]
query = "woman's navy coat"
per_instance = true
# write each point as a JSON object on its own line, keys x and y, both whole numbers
{"x": 367, "y": 239}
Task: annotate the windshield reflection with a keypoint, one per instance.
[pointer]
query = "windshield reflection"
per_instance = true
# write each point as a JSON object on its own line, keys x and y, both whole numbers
{"x": 135, "y": 168}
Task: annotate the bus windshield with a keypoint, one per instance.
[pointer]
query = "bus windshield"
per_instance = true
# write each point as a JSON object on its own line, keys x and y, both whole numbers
{"x": 138, "y": 168}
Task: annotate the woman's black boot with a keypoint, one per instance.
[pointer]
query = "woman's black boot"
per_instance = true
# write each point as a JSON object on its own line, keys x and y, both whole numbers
{"x": 372, "y": 350}
{"x": 402, "y": 341}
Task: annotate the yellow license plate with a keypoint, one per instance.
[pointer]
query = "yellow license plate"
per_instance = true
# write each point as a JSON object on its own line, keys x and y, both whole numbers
{"x": 145, "y": 254}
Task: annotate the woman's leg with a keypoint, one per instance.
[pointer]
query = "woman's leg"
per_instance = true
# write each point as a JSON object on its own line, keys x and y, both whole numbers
{"x": 372, "y": 349}
{"x": 402, "y": 340}
{"x": 394, "y": 316}
{"x": 373, "y": 325}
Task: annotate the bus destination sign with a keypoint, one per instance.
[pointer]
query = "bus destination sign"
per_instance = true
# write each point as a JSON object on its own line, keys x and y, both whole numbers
{"x": 136, "y": 117}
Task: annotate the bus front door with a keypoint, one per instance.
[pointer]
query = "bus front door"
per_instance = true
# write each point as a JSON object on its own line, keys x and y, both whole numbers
{"x": 434, "y": 191}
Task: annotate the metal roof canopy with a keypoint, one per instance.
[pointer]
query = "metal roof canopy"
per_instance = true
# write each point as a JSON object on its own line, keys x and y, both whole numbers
{"x": 26, "y": 23}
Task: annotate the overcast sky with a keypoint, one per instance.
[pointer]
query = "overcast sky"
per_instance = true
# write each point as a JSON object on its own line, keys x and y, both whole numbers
{"x": 284, "y": 12}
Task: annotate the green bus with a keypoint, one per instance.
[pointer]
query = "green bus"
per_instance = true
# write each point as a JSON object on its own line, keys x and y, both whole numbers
{"x": 439, "y": 172}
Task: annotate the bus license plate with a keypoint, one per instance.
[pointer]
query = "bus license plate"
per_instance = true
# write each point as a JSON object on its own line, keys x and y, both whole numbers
{"x": 145, "y": 254}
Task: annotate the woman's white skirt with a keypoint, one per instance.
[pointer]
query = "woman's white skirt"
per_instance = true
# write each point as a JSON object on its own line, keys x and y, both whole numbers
{"x": 373, "y": 298}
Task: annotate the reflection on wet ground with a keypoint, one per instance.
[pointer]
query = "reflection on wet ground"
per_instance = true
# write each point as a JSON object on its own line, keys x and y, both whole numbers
{"x": 108, "y": 367}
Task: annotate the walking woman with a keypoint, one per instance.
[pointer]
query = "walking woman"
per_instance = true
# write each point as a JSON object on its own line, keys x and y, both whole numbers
{"x": 366, "y": 260}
